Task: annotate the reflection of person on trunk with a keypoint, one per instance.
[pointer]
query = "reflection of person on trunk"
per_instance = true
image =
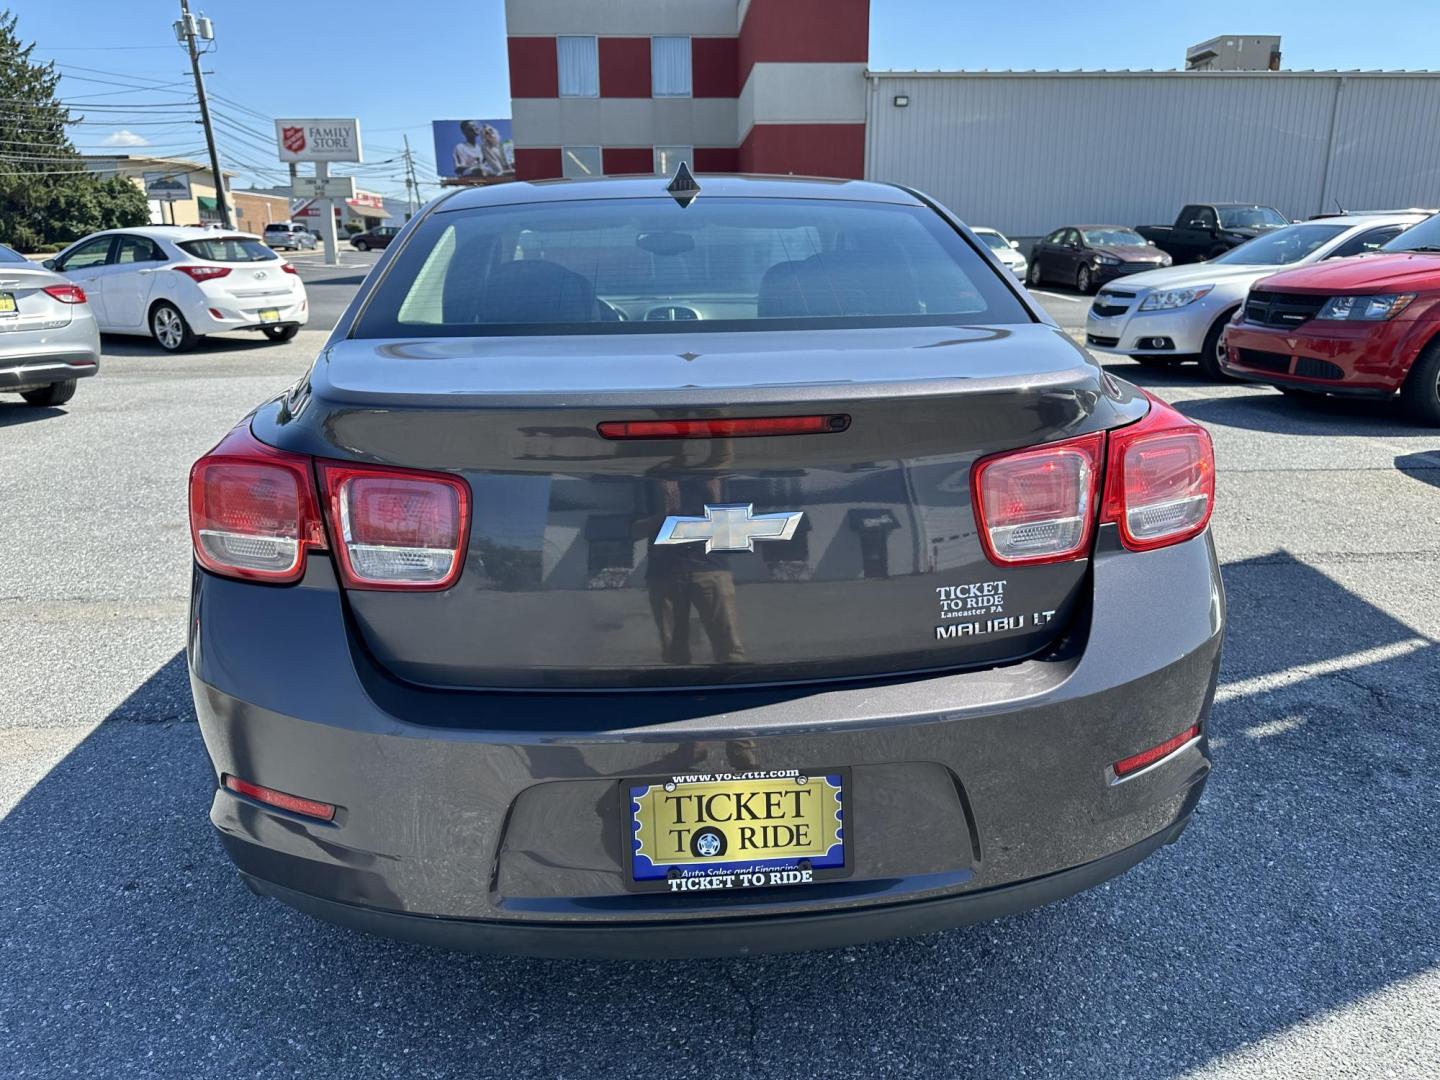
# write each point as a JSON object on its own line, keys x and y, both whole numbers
{"x": 682, "y": 578}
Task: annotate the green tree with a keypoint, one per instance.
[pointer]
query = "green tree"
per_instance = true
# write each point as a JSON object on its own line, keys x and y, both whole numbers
{"x": 46, "y": 194}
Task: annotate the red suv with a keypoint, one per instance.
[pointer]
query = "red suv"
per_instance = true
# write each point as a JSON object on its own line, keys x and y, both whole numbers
{"x": 1368, "y": 325}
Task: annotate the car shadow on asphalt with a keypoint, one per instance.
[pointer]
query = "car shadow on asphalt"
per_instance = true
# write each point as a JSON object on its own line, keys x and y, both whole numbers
{"x": 134, "y": 345}
{"x": 1266, "y": 410}
{"x": 1424, "y": 466}
{"x": 1177, "y": 374}
{"x": 14, "y": 413}
{"x": 1304, "y": 885}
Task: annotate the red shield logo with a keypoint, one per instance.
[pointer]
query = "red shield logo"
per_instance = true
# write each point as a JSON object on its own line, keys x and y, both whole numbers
{"x": 293, "y": 139}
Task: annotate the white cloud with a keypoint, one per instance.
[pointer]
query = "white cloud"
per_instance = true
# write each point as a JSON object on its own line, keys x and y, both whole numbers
{"x": 124, "y": 137}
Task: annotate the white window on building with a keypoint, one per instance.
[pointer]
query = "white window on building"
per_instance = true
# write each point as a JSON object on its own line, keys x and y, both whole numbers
{"x": 578, "y": 162}
{"x": 670, "y": 66}
{"x": 668, "y": 158}
{"x": 579, "y": 64}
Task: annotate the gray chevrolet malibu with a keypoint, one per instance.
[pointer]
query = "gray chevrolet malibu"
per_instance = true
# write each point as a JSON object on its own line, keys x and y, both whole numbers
{"x": 727, "y": 565}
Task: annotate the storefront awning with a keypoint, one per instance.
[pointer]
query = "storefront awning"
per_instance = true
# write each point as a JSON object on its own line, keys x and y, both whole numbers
{"x": 368, "y": 211}
{"x": 209, "y": 204}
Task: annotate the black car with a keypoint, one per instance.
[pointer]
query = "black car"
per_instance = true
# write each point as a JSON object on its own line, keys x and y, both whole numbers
{"x": 753, "y": 568}
{"x": 378, "y": 237}
{"x": 1089, "y": 255}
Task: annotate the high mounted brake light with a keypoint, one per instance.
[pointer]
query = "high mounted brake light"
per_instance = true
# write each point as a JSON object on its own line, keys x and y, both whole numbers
{"x": 732, "y": 428}
{"x": 1159, "y": 479}
{"x": 1038, "y": 505}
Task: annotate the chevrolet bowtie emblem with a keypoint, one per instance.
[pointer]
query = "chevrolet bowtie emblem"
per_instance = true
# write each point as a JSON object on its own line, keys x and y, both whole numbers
{"x": 729, "y": 527}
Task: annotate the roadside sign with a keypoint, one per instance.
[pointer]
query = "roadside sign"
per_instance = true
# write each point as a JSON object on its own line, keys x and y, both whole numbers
{"x": 330, "y": 187}
{"x": 167, "y": 187}
{"x": 318, "y": 140}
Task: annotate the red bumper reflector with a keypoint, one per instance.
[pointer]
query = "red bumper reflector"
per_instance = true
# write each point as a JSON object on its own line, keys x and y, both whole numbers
{"x": 739, "y": 428}
{"x": 1136, "y": 762}
{"x": 280, "y": 800}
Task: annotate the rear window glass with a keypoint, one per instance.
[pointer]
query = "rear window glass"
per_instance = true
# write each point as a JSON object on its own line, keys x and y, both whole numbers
{"x": 228, "y": 249}
{"x": 10, "y": 255}
{"x": 644, "y": 265}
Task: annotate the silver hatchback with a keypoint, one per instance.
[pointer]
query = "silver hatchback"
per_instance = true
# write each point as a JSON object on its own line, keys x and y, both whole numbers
{"x": 48, "y": 336}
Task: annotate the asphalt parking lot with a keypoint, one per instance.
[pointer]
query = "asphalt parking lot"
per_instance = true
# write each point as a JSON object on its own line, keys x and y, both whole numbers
{"x": 1292, "y": 931}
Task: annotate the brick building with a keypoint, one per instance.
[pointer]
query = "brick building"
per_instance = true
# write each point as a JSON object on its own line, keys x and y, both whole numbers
{"x": 636, "y": 86}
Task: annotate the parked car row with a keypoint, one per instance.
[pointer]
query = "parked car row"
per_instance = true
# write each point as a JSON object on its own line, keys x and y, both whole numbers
{"x": 1295, "y": 307}
{"x": 174, "y": 283}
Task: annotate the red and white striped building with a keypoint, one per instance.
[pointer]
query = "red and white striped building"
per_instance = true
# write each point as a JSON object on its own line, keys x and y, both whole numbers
{"x": 635, "y": 86}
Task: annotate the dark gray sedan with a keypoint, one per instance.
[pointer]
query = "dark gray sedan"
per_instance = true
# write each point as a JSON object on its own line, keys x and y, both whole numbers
{"x": 1089, "y": 255}
{"x": 722, "y": 566}
{"x": 48, "y": 336}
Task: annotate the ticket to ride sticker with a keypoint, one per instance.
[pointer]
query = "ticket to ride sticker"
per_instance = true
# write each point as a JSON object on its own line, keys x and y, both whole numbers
{"x": 738, "y": 831}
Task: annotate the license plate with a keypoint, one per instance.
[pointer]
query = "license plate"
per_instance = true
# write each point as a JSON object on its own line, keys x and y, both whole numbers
{"x": 269, "y": 314}
{"x": 696, "y": 834}
{"x": 7, "y": 304}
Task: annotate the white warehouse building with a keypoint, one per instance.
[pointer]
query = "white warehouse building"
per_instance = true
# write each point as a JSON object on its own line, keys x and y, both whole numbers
{"x": 1026, "y": 152}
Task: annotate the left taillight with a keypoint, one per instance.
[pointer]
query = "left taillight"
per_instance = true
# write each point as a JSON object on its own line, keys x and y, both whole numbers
{"x": 255, "y": 514}
{"x": 200, "y": 272}
{"x": 253, "y": 511}
{"x": 1038, "y": 505}
{"x": 66, "y": 294}
{"x": 396, "y": 528}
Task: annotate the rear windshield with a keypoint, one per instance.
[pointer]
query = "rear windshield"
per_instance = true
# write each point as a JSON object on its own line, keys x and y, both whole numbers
{"x": 10, "y": 255}
{"x": 1112, "y": 238}
{"x": 644, "y": 265}
{"x": 278, "y": 228}
{"x": 1250, "y": 217}
{"x": 1281, "y": 247}
{"x": 228, "y": 249}
{"x": 1423, "y": 237}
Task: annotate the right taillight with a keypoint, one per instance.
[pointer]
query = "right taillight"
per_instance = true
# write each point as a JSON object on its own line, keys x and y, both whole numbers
{"x": 396, "y": 528}
{"x": 1159, "y": 479}
{"x": 1038, "y": 505}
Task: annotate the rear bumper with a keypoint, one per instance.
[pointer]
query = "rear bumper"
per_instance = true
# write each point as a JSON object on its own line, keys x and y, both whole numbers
{"x": 60, "y": 367}
{"x": 492, "y": 820}
{"x": 241, "y": 313}
{"x": 793, "y": 932}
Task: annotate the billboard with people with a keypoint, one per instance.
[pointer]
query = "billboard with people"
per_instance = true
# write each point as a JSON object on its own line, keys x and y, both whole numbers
{"x": 473, "y": 149}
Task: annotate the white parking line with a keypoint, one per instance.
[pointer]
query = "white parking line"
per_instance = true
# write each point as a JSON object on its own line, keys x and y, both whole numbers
{"x": 1300, "y": 672}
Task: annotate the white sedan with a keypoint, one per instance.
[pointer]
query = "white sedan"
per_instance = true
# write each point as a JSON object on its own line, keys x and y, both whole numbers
{"x": 176, "y": 283}
{"x": 1180, "y": 313}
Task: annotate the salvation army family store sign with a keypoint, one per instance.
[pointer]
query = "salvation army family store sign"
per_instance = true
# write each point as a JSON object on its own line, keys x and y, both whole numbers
{"x": 318, "y": 140}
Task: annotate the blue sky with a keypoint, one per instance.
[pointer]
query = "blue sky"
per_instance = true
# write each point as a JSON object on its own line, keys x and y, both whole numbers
{"x": 397, "y": 66}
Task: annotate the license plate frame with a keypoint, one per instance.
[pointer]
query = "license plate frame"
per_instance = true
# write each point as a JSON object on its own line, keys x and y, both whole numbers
{"x": 649, "y": 864}
{"x": 269, "y": 315}
{"x": 8, "y": 304}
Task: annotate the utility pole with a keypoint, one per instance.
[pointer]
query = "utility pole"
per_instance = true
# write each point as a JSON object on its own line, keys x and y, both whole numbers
{"x": 412, "y": 192}
{"x": 187, "y": 29}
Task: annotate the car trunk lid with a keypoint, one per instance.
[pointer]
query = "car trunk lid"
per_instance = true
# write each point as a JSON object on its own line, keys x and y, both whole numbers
{"x": 566, "y": 582}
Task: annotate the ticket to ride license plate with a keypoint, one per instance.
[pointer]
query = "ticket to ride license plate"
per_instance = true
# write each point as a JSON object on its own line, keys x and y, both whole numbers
{"x": 737, "y": 831}
{"x": 7, "y": 304}
{"x": 269, "y": 314}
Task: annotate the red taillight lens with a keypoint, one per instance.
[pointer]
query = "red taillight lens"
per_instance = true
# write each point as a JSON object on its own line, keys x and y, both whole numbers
{"x": 1160, "y": 479}
{"x": 289, "y": 269}
{"x": 253, "y": 512}
{"x": 203, "y": 273}
{"x": 270, "y": 797}
{"x": 66, "y": 294}
{"x": 1038, "y": 505}
{"x": 1135, "y": 762}
{"x": 396, "y": 528}
{"x": 736, "y": 428}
